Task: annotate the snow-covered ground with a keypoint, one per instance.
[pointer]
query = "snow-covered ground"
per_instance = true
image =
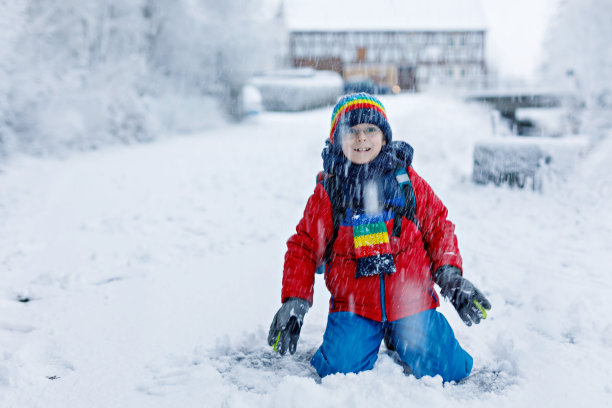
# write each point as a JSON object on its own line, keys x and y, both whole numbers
{"x": 147, "y": 276}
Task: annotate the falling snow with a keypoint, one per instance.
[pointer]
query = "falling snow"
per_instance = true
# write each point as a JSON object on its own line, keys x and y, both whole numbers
{"x": 147, "y": 275}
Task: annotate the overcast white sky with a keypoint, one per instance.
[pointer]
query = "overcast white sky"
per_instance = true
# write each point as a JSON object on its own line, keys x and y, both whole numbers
{"x": 516, "y": 32}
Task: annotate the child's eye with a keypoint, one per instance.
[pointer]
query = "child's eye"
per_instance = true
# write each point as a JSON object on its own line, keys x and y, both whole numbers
{"x": 371, "y": 130}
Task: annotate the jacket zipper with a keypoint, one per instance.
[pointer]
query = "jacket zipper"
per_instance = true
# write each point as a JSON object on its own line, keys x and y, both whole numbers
{"x": 383, "y": 311}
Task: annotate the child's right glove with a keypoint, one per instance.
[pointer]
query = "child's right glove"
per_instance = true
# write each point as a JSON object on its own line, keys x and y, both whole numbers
{"x": 286, "y": 325}
{"x": 467, "y": 299}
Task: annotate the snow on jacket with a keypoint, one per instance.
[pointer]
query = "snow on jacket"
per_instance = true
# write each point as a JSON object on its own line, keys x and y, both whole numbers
{"x": 417, "y": 253}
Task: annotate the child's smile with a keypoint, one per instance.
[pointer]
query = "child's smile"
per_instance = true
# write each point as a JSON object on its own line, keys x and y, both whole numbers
{"x": 362, "y": 143}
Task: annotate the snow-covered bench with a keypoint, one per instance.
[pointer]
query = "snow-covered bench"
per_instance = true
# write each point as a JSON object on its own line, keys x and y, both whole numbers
{"x": 519, "y": 160}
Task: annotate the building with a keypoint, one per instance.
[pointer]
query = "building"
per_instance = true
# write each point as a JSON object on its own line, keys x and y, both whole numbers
{"x": 410, "y": 44}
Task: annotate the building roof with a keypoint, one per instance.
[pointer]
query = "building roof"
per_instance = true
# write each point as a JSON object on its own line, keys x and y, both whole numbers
{"x": 384, "y": 15}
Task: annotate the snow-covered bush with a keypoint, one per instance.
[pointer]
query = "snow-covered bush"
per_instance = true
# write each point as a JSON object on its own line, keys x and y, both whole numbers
{"x": 298, "y": 89}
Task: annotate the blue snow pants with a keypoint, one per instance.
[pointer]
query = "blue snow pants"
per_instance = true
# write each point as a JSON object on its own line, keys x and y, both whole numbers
{"x": 424, "y": 341}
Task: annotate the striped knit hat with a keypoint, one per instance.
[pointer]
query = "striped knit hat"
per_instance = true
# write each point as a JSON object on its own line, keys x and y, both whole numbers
{"x": 355, "y": 109}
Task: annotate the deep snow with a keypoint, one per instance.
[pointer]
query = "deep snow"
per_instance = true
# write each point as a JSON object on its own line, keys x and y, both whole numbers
{"x": 153, "y": 272}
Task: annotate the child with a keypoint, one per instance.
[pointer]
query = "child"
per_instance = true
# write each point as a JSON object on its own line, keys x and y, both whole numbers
{"x": 385, "y": 239}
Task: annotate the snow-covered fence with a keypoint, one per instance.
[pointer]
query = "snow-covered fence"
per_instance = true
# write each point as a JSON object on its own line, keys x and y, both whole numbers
{"x": 298, "y": 89}
{"x": 517, "y": 161}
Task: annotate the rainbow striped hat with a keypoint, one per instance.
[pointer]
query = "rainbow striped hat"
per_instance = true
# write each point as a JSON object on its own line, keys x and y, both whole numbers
{"x": 358, "y": 108}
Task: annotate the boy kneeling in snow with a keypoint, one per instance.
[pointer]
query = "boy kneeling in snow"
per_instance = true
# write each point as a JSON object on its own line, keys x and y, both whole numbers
{"x": 385, "y": 239}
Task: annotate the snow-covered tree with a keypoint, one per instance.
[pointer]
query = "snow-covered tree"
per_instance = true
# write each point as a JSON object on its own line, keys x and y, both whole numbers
{"x": 74, "y": 74}
{"x": 211, "y": 42}
{"x": 79, "y": 75}
{"x": 11, "y": 25}
{"x": 579, "y": 54}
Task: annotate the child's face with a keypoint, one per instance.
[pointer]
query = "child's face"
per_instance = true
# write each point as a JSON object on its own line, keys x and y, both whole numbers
{"x": 362, "y": 143}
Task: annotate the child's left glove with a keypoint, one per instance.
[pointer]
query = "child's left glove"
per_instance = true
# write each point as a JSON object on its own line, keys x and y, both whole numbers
{"x": 470, "y": 303}
{"x": 286, "y": 325}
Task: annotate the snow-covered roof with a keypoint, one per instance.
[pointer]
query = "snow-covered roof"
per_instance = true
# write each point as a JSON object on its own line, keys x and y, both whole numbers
{"x": 384, "y": 15}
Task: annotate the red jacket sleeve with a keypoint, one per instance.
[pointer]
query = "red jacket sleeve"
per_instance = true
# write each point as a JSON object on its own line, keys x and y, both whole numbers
{"x": 437, "y": 231}
{"x": 306, "y": 248}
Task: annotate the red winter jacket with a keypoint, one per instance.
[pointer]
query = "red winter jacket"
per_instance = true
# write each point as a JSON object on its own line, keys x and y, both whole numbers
{"x": 416, "y": 253}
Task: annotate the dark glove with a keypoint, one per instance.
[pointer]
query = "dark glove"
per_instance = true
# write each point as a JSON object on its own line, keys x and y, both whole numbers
{"x": 467, "y": 299}
{"x": 286, "y": 325}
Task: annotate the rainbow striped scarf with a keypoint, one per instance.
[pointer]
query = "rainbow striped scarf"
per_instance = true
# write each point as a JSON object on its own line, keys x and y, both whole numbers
{"x": 372, "y": 247}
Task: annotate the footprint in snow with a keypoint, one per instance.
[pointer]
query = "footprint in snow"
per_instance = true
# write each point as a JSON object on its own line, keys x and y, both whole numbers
{"x": 258, "y": 368}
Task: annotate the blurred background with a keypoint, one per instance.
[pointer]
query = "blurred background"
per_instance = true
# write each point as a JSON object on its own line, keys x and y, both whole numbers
{"x": 81, "y": 75}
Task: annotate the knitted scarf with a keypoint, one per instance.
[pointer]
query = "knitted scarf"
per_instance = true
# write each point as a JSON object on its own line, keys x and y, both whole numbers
{"x": 371, "y": 239}
{"x": 372, "y": 247}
